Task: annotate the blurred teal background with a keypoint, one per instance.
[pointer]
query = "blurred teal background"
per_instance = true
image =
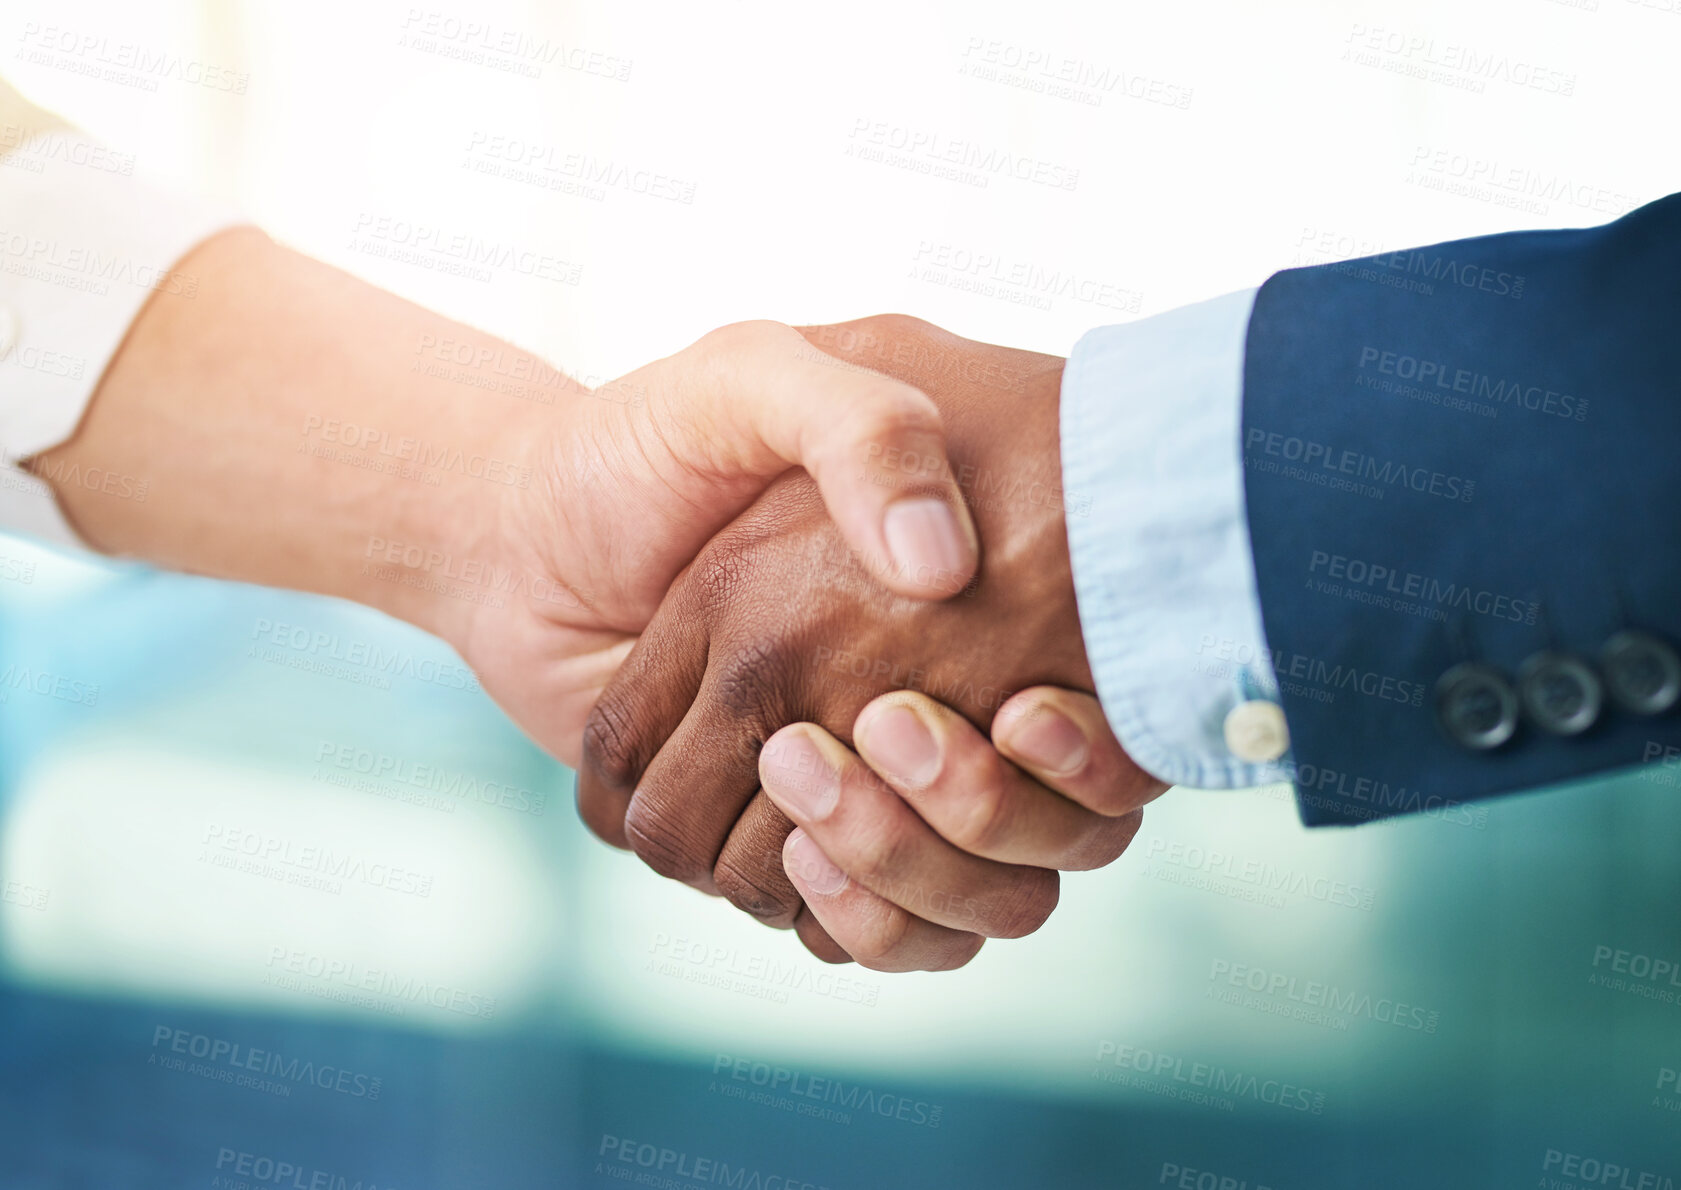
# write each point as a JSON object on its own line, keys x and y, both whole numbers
{"x": 1415, "y": 1003}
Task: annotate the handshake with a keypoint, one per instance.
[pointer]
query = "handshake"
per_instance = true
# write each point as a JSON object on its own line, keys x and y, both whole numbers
{"x": 779, "y": 686}
{"x": 796, "y": 604}
{"x": 799, "y": 604}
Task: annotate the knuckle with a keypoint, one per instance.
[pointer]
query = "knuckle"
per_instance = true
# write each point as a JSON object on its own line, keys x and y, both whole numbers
{"x": 877, "y": 941}
{"x": 818, "y": 940}
{"x": 718, "y": 575}
{"x": 1107, "y": 798}
{"x": 1103, "y": 843}
{"x": 826, "y": 950}
{"x": 759, "y": 889}
{"x": 757, "y": 330}
{"x": 885, "y": 857}
{"x": 963, "y": 949}
{"x": 899, "y": 326}
{"x": 750, "y": 686}
{"x": 602, "y": 822}
{"x": 727, "y": 345}
{"x": 989, "y": 814}
{"x": 1118, "y": 793}
{"x": 1126, "y": 831}
{"x": 887, "y": 409}
{"x": 1031, "y": 899}
{"x": 662, "y": 841}
{"x": 613, "y": 748}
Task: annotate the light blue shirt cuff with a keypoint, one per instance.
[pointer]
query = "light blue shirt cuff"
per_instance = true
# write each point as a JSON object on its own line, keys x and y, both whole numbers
{"x": 1152, "y": 415}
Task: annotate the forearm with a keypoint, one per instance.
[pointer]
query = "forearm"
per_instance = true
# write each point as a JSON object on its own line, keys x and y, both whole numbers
{"x": 288, "y": 425}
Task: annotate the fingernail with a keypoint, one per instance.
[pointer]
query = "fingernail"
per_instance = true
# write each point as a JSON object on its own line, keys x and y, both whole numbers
{"x": 1048, "y": 740}
{"x": 798, "y": 776}
{"x": 806, "y": 863}
{"x": 925, "y": 541}
{"x": 899, "y": 746}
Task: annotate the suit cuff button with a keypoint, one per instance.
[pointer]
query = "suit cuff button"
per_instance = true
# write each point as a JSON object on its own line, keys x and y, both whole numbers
{"x": 1561, "y": 693}
{"x": 1476, "y": 706}
{"x": 1642, "y": 673}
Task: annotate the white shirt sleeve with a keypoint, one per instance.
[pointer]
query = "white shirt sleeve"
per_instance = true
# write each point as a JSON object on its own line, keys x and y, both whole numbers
{"x": 1152, "y": 415}
{"x": 83, "y": 244}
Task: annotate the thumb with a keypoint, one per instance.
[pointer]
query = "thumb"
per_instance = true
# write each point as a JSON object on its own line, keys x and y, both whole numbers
{"x": 874, "y": 445}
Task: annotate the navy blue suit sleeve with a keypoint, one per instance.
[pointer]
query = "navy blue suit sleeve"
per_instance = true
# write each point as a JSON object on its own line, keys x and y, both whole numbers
{"x": 1466, "y": 455}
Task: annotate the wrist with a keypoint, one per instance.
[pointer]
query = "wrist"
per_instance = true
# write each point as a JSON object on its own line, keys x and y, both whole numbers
{"x": 296, "y": 429}
{"x": 427, "y": 542}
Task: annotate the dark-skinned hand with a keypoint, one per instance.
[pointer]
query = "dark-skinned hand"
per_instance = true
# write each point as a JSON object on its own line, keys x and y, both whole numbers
{"x": 923, "y": 853}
